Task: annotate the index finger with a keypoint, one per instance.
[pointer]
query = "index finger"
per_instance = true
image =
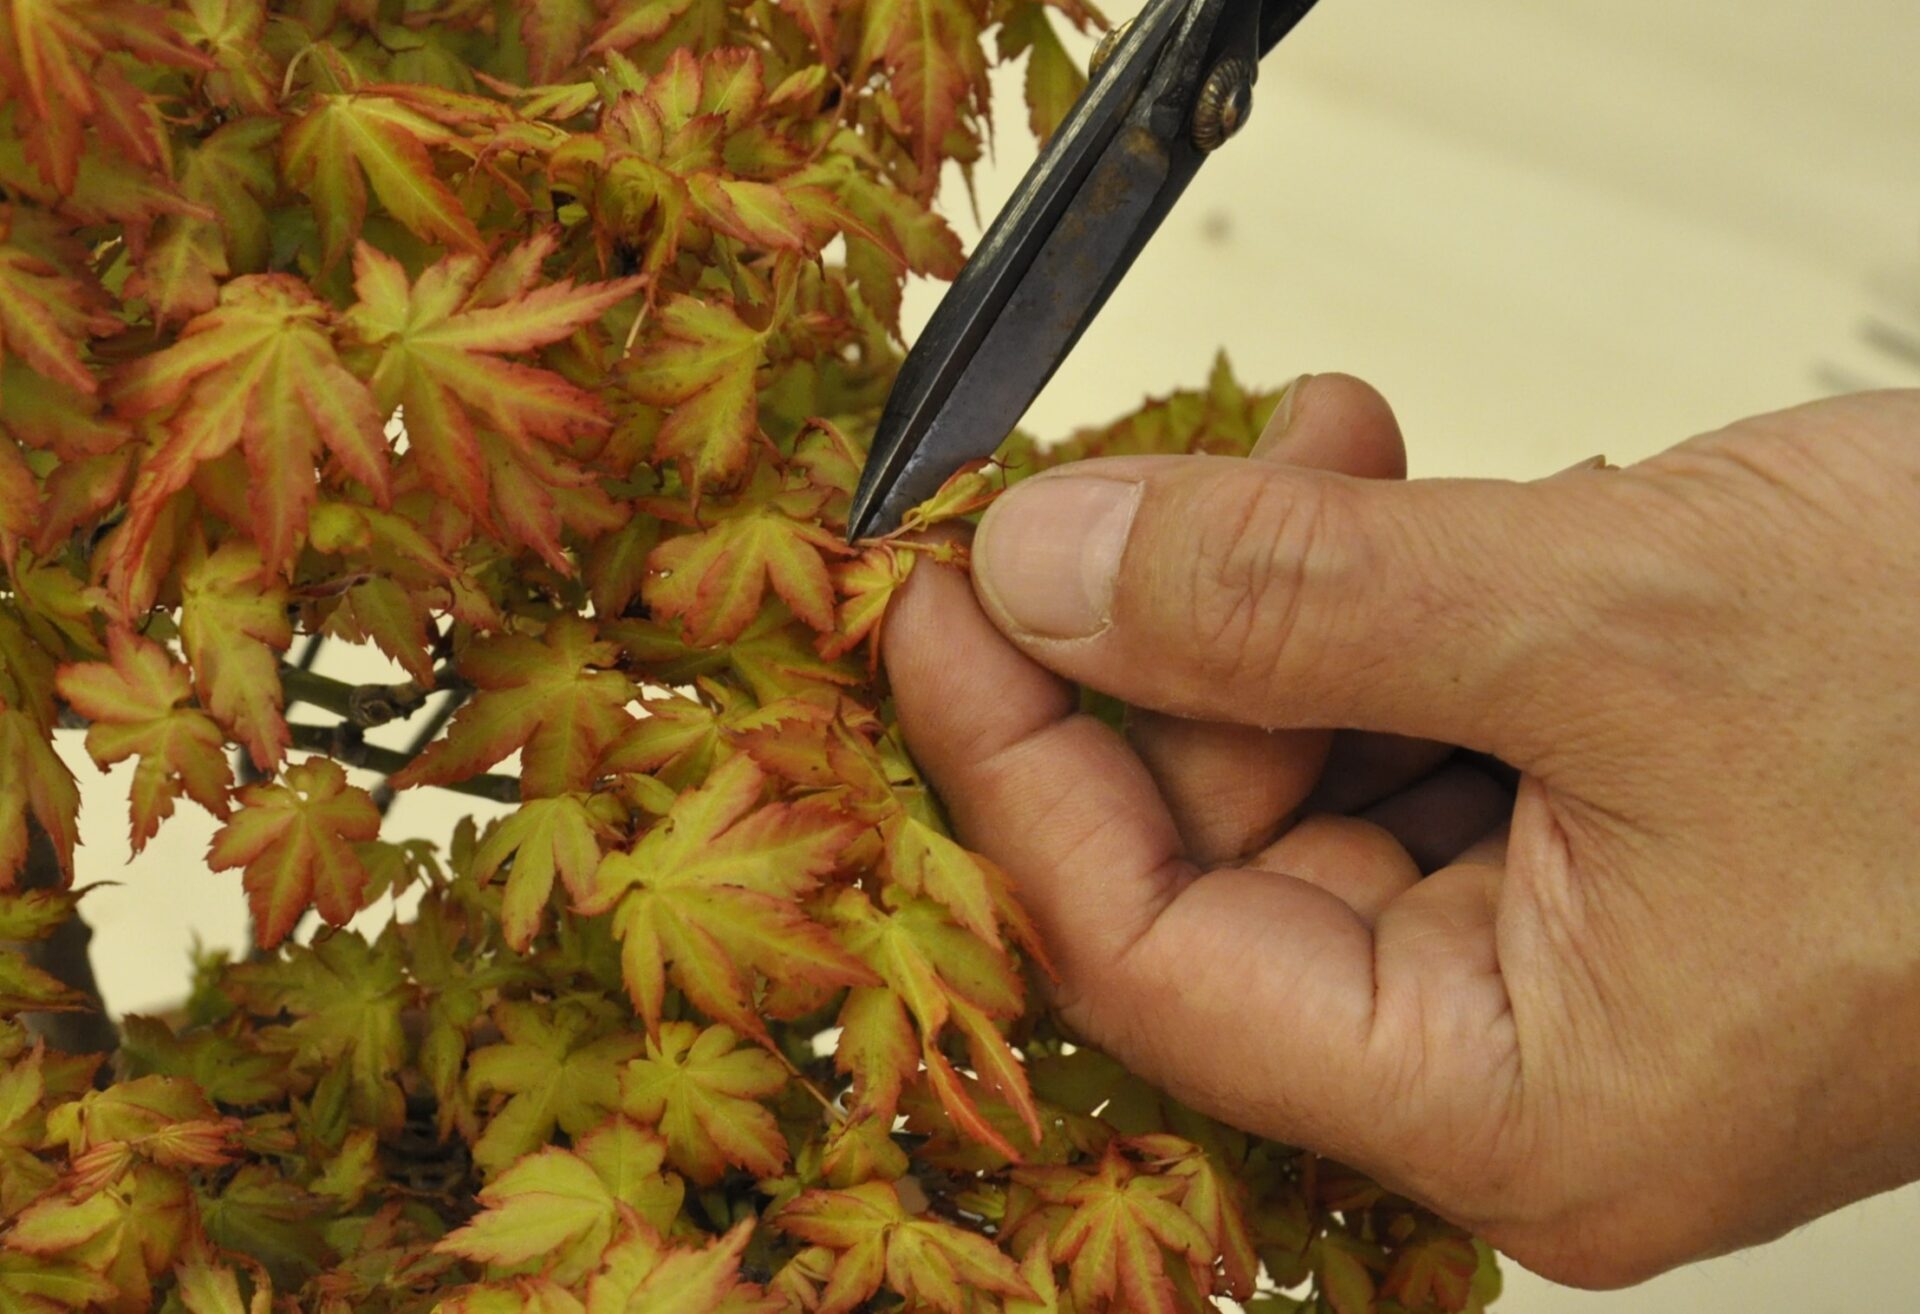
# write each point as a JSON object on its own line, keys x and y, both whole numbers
{"x": 1245, "y": 993}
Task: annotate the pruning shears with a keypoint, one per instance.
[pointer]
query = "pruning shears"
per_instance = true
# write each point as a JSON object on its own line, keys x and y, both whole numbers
{"x": 1168, "y": 88}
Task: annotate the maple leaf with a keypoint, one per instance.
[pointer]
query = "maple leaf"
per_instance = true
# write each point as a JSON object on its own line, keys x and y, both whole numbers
{"x": 1343, "y": 1275}
{"x": 943, "y": 975}
{"x": 551, "y": 698}
{"x": 643, "y": 1275}
{"x": 35, "y": 914}
{"x": 712, "y": 889}
{"x": 616, "y": 566}
{"x": 550, "y": 1206}
{"x": 20, "y": 509}
{"x": 893, "y": 232}
{"x": 715, "y": 578}
{"x": 513, "y": 1296}
{"x": 247, "y": 76}
{"x": 924, "y": 861}
{"x": 133, "y": 702}
{"x": 33, "y": 780}
{"x": 702, "y": 1093}
{"x": 1054, "y": 80}
{"x": 24, "y": 1176}
{"x": 559, "y": 1066}
{"x": 47, "y": 311}
{"x": 261, "y": 1215}
{"x": 345, "y": 997}
{"x": 128, "y": 1235}
{"x": 629, "y": 1159}
{"x": 769, "y": 657}
{"x": 758, "y": 214}
{"x": 661, "y": 24}
{"x": 259, "y": 371}
{"x": 935, "y": 68}
{"x": 294, "y": 839}
{"x": 701, "y": 359}
{"x": 222, "y": 1062}
{"x": 163, "y": 1119}
{"x": 1116, "y": 1239}
{"x": 347, "y": 142}
{"x": 920, "y": 1259}
{"x": 231, "y": 174}
{"x": 25, "y": 988}
{"x": 207, "y": 1288}
{"x": 32, "y": 1285}
{"x": 1214, "y": 1200}
{"x": 442, "y": 341}
{"x": 545, "y": 836}
{"x": 232, "y": 623}
{"x": 866, "y": 586}
{"x": 554, "y": 35}
{"x": 1436, "y": 1272}
{"x": 680, "y": 738}
{"x": 51, "y": 59}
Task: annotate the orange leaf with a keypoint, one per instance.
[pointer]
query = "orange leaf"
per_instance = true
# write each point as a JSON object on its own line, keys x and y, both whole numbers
{"x": 33, "y": 780}
{"x": 348, "y": 142}
{"x": 700, "y": 359}
{"x": 442, "y": 341}
{"x": 715, "y": 579}
{"x": 260, "y": 372}
{"x": 925, "y": 1260}
{"x": 295, "y": 841}
{"x": 553, "y": 699}
{"x": 703, "y": 1093}
{"x": 233, "y": 624}
{"x": 711, "y": 891}
{"x": 1116, "y": 1239}
{"x": 935, "y": 68}
{"x": 132, "y": 701}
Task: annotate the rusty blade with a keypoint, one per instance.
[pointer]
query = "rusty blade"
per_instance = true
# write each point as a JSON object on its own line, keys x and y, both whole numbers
{"x": 1045, "y": 266}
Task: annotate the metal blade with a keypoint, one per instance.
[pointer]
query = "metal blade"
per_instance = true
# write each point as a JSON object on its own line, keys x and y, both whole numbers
{"x": 1044, "y": 269}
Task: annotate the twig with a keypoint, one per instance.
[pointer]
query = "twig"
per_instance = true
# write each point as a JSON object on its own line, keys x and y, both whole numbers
{"x": 363, "y": 705}
{"x": 344, "y": 744}
{"x": 383, "y": 796}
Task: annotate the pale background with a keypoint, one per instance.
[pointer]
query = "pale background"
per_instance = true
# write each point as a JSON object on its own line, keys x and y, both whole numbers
{"x": 1546, "y": 231}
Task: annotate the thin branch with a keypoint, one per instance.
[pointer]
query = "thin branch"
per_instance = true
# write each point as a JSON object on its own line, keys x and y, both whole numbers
{"x": 344, "y": 744}
{"x": 363, "y": 705}
{"x": 310, "y": 654}
{"x": 430, "y": 728}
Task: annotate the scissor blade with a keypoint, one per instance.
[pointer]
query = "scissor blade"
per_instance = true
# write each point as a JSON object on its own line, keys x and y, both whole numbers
{"x": 1046, "y": 266}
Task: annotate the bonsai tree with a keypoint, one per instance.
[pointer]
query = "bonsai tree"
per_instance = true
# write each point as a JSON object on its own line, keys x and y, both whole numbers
{"x": 534, "y": 344}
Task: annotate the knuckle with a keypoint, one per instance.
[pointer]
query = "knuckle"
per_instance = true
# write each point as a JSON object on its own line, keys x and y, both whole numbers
{"x": 1259, "y": 547}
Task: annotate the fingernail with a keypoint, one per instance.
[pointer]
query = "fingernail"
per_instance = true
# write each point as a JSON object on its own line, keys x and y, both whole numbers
{"x": 1048, "y": 551}
{"x": 1280, "y": 421}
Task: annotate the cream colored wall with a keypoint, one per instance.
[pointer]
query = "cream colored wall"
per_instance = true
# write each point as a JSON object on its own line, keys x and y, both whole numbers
{"x": 1544, "y": 230}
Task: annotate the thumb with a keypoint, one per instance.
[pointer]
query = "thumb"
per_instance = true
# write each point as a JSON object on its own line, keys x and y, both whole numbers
{"x": 1244, "y": 591}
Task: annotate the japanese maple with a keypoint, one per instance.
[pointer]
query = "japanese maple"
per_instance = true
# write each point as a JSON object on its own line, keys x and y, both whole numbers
{"x": 534, "y": 345}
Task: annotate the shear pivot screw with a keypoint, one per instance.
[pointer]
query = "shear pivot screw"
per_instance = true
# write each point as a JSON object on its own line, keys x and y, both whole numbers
{"x": 1108, "y": 44}
{"x": 1225, "y": 100}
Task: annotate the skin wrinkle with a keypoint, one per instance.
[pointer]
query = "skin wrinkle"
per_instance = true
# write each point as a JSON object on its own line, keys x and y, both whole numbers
{"x": 1255, "y": 554}
{"x": 1663, "y": 1011}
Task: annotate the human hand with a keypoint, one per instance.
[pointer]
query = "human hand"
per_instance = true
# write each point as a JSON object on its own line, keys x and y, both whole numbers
{"x": 1665, "y": 1001}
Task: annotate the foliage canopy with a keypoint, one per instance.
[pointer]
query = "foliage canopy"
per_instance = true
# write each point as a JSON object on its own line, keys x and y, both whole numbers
{"x": 535, "y": 343}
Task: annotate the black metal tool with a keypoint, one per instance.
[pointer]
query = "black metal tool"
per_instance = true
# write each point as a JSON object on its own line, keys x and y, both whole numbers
{"x": 1167, "y": 89}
